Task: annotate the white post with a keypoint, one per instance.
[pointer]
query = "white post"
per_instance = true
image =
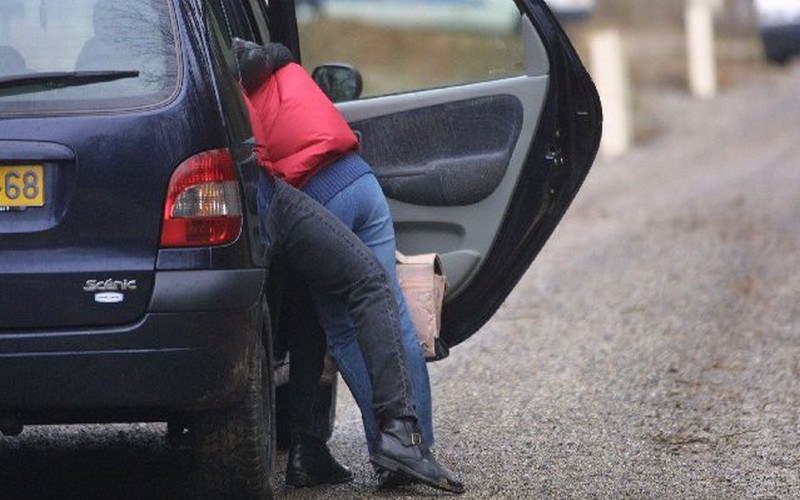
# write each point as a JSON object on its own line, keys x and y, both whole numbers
{"x": 700, "y": 47}
{"x": 610, "y": 74}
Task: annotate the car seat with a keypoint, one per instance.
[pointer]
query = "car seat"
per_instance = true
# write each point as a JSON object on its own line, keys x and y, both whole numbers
{"x": 105, "y": 50}
{"x": 127, "y": 36}
{"x": 11, "y": 61}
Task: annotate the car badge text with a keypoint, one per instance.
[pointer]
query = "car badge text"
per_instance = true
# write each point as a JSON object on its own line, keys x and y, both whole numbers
{"x": 109, "y": 285}
{"x": 109, "y": 291}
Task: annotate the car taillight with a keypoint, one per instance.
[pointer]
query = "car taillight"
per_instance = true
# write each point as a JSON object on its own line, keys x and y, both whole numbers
{"x": 203, "y": 206}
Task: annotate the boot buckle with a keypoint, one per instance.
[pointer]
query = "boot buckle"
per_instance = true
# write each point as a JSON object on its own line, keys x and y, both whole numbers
{"x": 416, "y": 438}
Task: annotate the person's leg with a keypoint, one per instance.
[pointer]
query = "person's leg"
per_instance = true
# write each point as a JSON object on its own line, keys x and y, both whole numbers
{"x": 362, "y": 207}
{"x": 341, "y": 332}
{"x": 306, "y": 348}
{"x": 329, "y": 255}
{"x": 310, "y": 461}
{"x": 302, "y": 334}
{"x": 332, "y": 258}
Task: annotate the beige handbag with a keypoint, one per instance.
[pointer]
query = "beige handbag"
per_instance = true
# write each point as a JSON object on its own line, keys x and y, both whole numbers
{"x": 424, "y": 284}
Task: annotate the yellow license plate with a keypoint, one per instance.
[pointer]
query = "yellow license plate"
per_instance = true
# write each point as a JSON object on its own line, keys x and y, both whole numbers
{"x": 22, "y": 186}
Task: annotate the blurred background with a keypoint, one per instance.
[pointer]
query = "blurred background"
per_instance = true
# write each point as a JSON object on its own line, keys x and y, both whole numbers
{"x": 413, "y": 44}
{"x": 655, "y": 47}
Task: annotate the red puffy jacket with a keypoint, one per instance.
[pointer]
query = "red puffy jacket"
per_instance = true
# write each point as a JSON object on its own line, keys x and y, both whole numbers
{"x": 298, "y": 130}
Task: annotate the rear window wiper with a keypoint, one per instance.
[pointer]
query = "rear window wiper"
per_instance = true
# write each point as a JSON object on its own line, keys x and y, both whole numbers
{"x": 58, "y": 79}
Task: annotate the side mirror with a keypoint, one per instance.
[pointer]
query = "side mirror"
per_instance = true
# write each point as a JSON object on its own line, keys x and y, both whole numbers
{"x": 340, "y": 82}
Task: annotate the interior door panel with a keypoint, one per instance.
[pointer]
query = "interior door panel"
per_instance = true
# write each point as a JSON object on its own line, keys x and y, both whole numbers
{"x": 449, "y": 159}
{"x": 452, "y": 154}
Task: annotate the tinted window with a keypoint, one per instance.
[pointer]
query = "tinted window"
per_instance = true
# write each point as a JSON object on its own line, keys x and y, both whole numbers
{"x": 122, "y": 53}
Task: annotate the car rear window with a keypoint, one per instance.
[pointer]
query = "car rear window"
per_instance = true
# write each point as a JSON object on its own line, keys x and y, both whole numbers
{"x": 86, "y": 55}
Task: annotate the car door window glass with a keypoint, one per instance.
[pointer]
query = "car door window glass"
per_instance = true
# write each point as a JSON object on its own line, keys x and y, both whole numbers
{"x": 223, "y": 24}
{"x": 222, "y": 31}
{"x": 256, "y": 12}
{"x": 407, "y": 45}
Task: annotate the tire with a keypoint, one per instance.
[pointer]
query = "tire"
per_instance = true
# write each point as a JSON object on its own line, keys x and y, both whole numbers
{"x": 235, "y": 447}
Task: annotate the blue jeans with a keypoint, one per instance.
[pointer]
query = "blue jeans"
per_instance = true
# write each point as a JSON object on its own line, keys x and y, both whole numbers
{"x": 307, "y": 237}
{"x": 362, "y": 207}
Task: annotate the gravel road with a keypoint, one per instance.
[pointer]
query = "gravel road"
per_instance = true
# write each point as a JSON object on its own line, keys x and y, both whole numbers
{"x": 652, "y": 351}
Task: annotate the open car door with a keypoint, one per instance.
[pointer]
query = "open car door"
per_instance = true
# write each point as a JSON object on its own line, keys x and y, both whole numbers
{"x": 480, "y": 131}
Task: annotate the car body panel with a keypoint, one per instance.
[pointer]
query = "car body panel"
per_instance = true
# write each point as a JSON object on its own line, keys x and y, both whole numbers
{"x": 87, "y": 296}
{"x": 779, "y": 27}
{"x": 162, "y": 364}
{"x": 107, "y": 204}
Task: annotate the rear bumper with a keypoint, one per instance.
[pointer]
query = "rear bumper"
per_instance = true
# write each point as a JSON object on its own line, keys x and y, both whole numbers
{"x": 167, "y": 362}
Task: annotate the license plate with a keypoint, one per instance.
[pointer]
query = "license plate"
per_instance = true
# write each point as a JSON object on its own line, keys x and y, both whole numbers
{"x": 22, "y": 186}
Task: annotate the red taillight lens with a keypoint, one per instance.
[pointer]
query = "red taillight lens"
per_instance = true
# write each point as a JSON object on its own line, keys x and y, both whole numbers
{"x": 203, "y": 206}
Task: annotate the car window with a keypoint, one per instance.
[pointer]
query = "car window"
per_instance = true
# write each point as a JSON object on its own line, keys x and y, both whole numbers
{"x": 86, "y": 55}
{"x": 223, "y": 19}
{"x": 258, "y": 15}
{"x": 406, "y": 45}
{"x": 222, "y": 31}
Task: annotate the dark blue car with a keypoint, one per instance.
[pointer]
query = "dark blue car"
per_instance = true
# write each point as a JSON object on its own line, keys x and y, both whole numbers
{"x": 132, "y": 283}
{"x": 779, "y": 28}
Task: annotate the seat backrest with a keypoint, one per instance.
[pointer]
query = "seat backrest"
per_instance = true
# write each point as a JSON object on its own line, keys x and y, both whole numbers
{"x": 11, "y": 61}
{"x": 103, "y": 50}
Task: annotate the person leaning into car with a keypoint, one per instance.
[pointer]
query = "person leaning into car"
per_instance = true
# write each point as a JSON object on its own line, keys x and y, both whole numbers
{"x": 302, "y": 138}
{"x": 305, "y": 235}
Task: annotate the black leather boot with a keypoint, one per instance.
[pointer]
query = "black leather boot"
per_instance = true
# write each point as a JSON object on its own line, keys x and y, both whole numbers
{"x": 310, "y": 463}
{"x": 388, "y": 480}
{"x": 400, "y": 449}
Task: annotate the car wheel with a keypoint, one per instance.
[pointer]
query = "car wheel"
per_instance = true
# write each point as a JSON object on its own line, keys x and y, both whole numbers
{"x": 234, "y": 447}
